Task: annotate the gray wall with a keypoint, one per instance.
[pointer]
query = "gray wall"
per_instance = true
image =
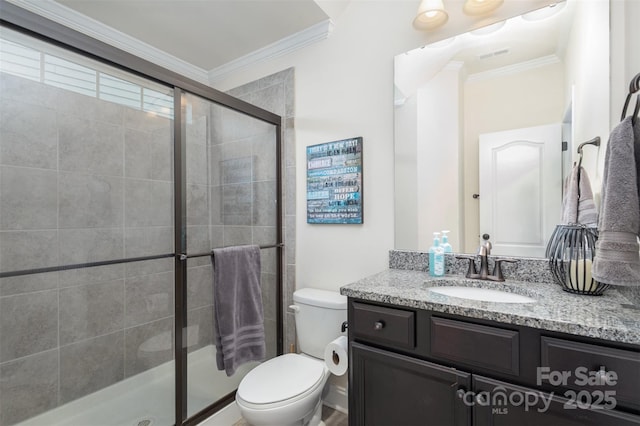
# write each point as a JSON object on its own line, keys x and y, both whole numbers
{"x": 81, "y": 180}
{"x": 85, "y": 180}
{"x": 275, "y": 93}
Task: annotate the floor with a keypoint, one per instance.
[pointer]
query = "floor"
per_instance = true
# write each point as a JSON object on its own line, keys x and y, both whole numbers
{"x": 330, "y": 417}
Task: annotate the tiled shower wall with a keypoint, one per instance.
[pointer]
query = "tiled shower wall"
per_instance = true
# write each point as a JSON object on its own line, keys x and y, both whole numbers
{"x": 81, "y": 180}
{"x": 231, "y": 194}
{"x": 275, "y": 93}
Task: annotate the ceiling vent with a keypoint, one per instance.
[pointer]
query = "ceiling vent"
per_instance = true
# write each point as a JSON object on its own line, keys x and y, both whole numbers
{"x": 498, "y": 52}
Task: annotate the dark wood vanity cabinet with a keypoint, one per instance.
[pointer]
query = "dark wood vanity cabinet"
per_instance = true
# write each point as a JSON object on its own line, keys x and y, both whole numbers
{"x": 415, "y": 367}
{"x": 394, "y": 389}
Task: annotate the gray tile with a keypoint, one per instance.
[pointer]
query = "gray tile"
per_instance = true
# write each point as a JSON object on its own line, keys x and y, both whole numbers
{"x": 199, "y": 328}
{"x": 198, "y": 239}
{"x": 264, "y": 203}
{"x": 75, "y": 104}
{"x": 290, "y": 239}
{"x": 197, "y": 204}
{"x": 269, "y": 284}
{"x": 138, "y": 154}
{"x": 27, "y": 91}
{"x": 28, "y": 198}
{"x": 216, "y": 236}
{"x": 264, "y": 151}
{"x": 199, "y": 286}
{"x": 289, "y": 285}
{"x": 91, "y": 365}
{"x": 148, "y": 298}
{"x": 95, "y": 274}
{"x": 90, "y": 245}
{"x": 162, "y": 155}
{"x": 290, "y": 331}
{"x": 289, "y": 145}
{"x": 91, "y": 310}
{"x": 161, "y": 203}
{"x": 264, "y": 235}
{"x": 237, "y": 235}
{"x": 148, "y": 203}
{"x": 271, "y": 338}
{"x": 237, "y": 170}
{"x": 148, "y": 345}
{"x": 147, "y": 267}
{"x": 148, "y": 241}
{"x": 90, "y": 201}
{"x": 141, "y": 120}
{"x": 289, "y": 191}
{"x": 215, "y": 165}
{"x": 90, "y": 146}
{"x": 138, "y": 207}
{"x": 215, "y": 205}
{"x": 289, "y": 94}
{"x": 197, "y": 170}
{"x": 196, "y": 130}
{"x": 237, "y": 204}
{"x": 28, "y": 324}
{"x": 110, "y": 112}
{"x": 28, "y": 249}
{"x": 28, "y": 135}
{"x": 268, "y": 260}
{"x": 28, "y": 283}
{"x": 29, "y": 386}
{"x": 270, "y": 98}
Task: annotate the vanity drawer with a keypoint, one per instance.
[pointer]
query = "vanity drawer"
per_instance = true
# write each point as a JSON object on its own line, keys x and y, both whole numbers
{"x": 581, "y": 364}
{"x": 389, "y": 326}
{"x": 490, "y": 348}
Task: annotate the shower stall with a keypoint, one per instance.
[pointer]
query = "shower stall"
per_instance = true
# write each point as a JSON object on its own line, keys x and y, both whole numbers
{"x": 117, "y": 179}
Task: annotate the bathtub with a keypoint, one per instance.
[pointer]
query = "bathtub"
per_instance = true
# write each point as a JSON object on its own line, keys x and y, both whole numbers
{"x": 147, "y": 399}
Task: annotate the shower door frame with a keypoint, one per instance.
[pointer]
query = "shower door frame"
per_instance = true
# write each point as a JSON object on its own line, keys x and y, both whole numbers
{"x": 39, "y": 27}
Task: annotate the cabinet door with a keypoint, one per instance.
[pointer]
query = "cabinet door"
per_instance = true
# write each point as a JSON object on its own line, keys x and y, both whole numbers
{"x": 498, "y": 403}
{"x": 396, "y": 390}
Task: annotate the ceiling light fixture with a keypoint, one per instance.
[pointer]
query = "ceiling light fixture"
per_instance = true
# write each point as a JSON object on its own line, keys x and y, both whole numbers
{"x": 431, "y": 15}
{"x": 480, "y": 7}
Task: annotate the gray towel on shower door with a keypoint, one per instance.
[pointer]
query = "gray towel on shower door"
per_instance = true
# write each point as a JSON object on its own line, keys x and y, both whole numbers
{"x": 616, "y": 259}
{"x": 238, "y": 312}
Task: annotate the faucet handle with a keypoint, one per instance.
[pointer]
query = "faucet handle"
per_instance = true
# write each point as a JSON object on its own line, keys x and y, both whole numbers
{"x": 497, "y": 268}
{"x": 471, "y": 270}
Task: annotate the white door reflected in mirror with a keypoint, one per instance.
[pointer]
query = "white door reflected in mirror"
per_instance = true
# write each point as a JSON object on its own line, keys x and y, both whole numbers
{"x": 520, "y": 188}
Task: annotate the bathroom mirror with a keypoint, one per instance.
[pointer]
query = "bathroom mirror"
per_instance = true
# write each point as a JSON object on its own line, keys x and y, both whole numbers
{"x": 493, "y": 107}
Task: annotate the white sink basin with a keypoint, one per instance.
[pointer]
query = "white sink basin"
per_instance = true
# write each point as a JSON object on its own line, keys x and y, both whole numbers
{"x": 483, "y": 294}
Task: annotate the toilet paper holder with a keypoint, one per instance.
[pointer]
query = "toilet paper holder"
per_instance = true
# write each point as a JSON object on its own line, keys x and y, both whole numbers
{"x": 344, "y": 326}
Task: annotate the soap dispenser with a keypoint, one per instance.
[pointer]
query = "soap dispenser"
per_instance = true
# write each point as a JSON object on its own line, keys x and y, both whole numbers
{"x": 446, "y": 247}
{"x": 436, "y": 257}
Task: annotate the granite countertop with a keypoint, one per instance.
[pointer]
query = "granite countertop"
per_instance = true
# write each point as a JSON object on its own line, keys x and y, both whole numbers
{"x": 608, "y": 317}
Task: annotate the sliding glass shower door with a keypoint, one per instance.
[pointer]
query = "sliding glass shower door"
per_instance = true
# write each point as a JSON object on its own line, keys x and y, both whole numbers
{"x": 231, "y": 199}
{"x": 113, "y": 191}
{"x": 86, "y": 188}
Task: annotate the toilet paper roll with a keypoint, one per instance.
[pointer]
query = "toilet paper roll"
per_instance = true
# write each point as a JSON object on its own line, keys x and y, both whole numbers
{"x": 336, "y": 356}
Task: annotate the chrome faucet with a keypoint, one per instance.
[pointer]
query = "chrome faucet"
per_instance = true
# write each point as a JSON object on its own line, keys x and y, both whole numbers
{"x": 483, "y": 254}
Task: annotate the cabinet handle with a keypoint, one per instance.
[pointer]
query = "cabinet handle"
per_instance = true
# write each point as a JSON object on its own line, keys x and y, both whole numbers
{"x": 481, "y": 399}
{"x": 460, "y": 393}
{"x": 378, "y": 325}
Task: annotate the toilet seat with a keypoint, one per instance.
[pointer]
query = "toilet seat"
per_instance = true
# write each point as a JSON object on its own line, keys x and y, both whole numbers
{"x": 281, "y": 381}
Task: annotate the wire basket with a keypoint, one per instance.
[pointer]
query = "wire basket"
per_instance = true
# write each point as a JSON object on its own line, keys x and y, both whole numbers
{"x": 571, "y": 250}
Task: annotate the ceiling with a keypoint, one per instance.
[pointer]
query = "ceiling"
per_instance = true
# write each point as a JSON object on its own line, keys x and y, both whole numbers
{"x": 517, "y": 42}
{"x": 205, "y": 33}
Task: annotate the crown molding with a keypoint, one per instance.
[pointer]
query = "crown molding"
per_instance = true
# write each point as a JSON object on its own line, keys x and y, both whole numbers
{"x": 93, "y": 28}
{"x": 70, "y": 18}
{"x": 313, "y": 34}
{"x": 515, "y": 68}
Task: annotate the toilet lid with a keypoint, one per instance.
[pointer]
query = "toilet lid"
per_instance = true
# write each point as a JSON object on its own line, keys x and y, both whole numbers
{"x": 280, "y": 378}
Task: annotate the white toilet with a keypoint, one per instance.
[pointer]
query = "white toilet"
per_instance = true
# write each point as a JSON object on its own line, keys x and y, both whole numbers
{"x": 287, "y": 390}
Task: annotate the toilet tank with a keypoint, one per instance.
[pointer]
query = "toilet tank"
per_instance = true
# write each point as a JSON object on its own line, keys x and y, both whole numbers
{"x": 319, "y": 316}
